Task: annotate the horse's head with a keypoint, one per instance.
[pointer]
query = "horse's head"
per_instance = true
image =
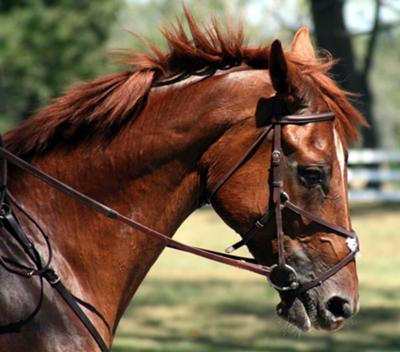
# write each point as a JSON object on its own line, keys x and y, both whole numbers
{"x": 313, "y": 171}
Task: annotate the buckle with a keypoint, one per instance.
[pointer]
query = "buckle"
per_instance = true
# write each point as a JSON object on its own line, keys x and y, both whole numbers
{"x": 259, "y": 224}
{"x": 55, "y": 281}
{"x": 4, "y": 210}
{"x": 51, "y": 277}
{"x": 276, "y": 157}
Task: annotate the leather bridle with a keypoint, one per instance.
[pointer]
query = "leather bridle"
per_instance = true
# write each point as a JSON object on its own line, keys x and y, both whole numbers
{"x": 282, "y": 276}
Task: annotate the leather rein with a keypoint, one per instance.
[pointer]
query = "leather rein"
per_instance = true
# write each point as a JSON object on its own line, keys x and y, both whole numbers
{"x": 282, "y": 276}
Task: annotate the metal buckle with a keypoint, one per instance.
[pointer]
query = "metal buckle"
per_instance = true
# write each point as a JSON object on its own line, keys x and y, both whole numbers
{"x": 259, "y": 224}
{"x": 55, "y": 281}
{"x": 30, "y": 273}
{"x": 283, "y": 278}
{"x": 51, "y": 277}
{"x": 276, "y": 157}
{"x": 4, "y": 210}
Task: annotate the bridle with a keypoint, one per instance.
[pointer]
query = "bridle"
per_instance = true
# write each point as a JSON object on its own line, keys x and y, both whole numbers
{"x": 282, "y": 276}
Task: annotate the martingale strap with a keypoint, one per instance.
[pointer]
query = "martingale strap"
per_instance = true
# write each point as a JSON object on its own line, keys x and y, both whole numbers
{"x": 11, "y": 226}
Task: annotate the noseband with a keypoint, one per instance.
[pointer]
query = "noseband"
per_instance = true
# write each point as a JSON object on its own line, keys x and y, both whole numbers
{"x": 284, "y": 277}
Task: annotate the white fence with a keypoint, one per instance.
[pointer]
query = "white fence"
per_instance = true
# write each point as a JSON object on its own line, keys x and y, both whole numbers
{"x": 374, "y": 165}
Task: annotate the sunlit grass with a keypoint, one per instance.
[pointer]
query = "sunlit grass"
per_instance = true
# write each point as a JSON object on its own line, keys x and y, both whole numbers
{"x": 190, "y": 304}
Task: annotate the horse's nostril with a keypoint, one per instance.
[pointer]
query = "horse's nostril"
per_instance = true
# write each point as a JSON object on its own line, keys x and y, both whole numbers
{"x": 339, "y": 307}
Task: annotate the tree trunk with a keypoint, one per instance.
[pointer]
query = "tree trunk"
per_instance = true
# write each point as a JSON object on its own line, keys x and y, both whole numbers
{"x": 331, "y": 34}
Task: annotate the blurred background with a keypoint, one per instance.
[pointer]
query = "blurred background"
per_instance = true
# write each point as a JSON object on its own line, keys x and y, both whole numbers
{"x": 188, "y": 304}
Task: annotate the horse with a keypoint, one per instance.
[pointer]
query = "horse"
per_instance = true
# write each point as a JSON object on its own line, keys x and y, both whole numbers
{"x": 160, "y": 140}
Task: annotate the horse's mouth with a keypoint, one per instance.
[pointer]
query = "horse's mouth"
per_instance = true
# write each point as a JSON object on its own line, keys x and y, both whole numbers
{"x": 306, "y": 312}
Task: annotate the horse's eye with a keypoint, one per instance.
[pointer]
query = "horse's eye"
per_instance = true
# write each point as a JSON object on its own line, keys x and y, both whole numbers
{"x": 311, "y": 176}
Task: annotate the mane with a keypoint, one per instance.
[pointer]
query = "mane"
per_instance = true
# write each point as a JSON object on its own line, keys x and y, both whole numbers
{"x": 102, "y": 107}
{"x": 347, "y": 117}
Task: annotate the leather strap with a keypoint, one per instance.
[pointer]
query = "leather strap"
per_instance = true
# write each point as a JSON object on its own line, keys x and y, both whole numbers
{"x": 336, "y": 228}
{"x": 10, "y": 222}
{"x": 277, "y": 189}
{"x": 113, "y": 214}
{"x": 258, "y": 225}
{"x": 18, "y": 269}
{"x": 239, "y": 163}
{"x": 327, "y": 274}
{"x": 55, "y": 281}
{"x": 220, "y": 257}
{"x": 303, "y": 119}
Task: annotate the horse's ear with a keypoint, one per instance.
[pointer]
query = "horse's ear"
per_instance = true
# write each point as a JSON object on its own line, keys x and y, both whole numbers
{"x": 302, "y": 46}
{"x": 279, "y": 68}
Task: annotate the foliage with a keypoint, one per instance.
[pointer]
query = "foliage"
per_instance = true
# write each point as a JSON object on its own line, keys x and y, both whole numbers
{"x": 262, "y": 21}
{"x": 147, "y": 18}
{"x": 46, "y": 45}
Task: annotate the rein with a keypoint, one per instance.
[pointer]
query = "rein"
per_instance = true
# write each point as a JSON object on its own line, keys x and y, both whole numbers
{"x": 282, "y": 276}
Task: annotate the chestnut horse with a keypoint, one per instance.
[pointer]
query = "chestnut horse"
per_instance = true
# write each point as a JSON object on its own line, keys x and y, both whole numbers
{"x": 152, "y": 143}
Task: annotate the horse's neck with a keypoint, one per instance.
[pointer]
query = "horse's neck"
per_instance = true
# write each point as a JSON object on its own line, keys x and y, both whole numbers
{"x": 149, "y": 172}
{"x": 101, "y": 260}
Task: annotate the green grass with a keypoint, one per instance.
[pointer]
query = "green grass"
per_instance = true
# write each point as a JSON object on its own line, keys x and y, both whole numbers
{"x": 190, "y": 304}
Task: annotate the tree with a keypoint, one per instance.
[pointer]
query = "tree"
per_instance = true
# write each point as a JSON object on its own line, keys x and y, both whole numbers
{"x": 46, "y": 45}
{"x": 331, "y": 34}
